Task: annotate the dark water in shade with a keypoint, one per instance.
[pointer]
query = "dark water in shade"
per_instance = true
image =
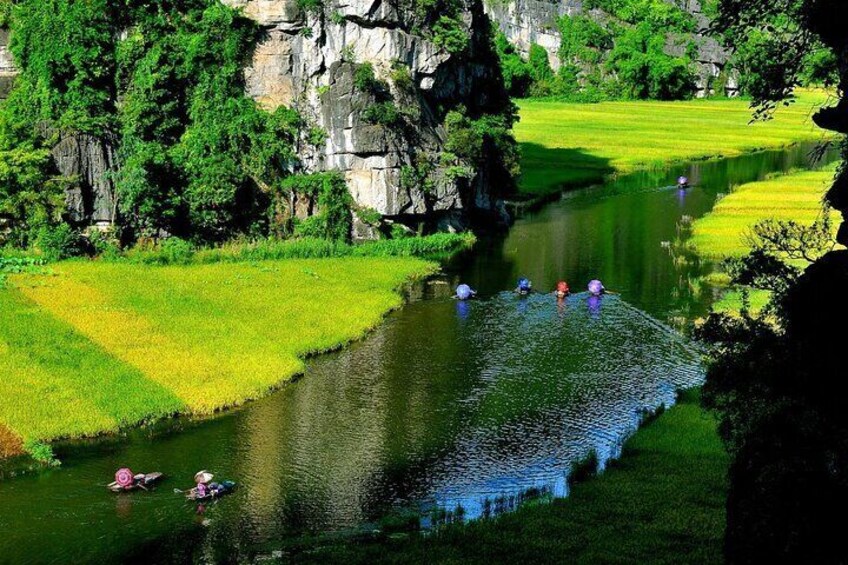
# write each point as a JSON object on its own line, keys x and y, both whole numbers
{"x": 445, "y": 405}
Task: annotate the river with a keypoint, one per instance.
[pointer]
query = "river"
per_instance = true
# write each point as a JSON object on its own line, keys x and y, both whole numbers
{"x": 447, "y": 410}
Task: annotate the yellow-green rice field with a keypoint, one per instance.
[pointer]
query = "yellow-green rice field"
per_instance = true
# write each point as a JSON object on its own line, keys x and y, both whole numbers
{"x": 724, "y": 231}
{"x": 95, "y": 346}
{"x": 570, "y": 144}
{"x": 796, "y": 196}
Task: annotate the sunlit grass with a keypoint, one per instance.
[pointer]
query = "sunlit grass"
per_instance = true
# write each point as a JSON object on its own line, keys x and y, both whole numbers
{"x": 568, "y": 143}
{"x": 100, "y": 345}
{"x": 795, "y": 196}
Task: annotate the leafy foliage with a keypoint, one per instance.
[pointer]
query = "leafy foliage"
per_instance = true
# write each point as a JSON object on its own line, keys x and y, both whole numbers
{"x": 334, "y": 218}
{"x": 645, "y": 70}
{"x": 198, "y": 157}
{"x": 30, "y": 197}
{"x": 780, "y": 45}
{"x": 450, "y": 33}
{"x": 622, "y": 55}
{"x": 516, "y": 71}
{"x": 476, "y": 140}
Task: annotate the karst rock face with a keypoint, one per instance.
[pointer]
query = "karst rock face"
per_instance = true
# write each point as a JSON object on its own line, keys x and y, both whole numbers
{"x": 525, "y": 22}
{"x": 308, "y": 61}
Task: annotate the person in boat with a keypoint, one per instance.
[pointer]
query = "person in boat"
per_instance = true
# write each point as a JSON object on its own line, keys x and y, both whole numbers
{"x": 202, "y": 480}
{"x": 202, "y": 490}
{"x": 596, "y": 288}
{"x": 465, "y": 292}
{"x": 682, "y": 182}
{"x": 524, "y": 286}
{"x": 562, "y": 289}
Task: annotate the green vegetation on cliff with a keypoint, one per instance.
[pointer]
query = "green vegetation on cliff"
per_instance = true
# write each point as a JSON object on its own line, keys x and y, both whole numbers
{"x": 662, "y": 502}
{"x": 568, "y": 144}
{"x": 621, "y": 55}
{"x": 153, "y": 93}
{"x": 198, "y": 158}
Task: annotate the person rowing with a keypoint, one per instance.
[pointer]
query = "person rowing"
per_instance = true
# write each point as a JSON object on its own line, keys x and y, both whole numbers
{"x": 524, "y": 287}
{"x": 464, "y": 292}
{"x": 562, "y": 289}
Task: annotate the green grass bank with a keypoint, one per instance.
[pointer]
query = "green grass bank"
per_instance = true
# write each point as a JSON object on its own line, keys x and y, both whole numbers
{"x": 94, "y": 346}
{"x": 566, "y": 144}
{"x": 662, "y": 502}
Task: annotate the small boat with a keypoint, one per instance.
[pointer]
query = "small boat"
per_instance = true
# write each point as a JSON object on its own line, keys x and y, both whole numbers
{"x": 683, "y": 182}
{"x": 125, "y": 481}
{"x": 212, "y": 491}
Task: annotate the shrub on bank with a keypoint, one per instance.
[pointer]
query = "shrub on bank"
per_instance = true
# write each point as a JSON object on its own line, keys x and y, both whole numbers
{"x": 434, "y": 247}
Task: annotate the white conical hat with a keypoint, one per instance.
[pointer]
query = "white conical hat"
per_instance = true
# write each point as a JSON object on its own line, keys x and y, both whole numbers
{"x": 203, "y": 477}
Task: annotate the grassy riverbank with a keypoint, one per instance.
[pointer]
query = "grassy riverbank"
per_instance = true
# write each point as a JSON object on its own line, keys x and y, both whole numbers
{"x": 96, "y": 346}
{"x": 663, "y": 502}
{"x": 572, "y": 144}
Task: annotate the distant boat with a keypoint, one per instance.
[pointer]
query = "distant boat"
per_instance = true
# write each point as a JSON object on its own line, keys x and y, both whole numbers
{"x": 125, "y": 481}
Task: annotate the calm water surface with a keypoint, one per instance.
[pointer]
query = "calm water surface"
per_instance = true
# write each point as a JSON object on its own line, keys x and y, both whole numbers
{"x": 446, "y": 406}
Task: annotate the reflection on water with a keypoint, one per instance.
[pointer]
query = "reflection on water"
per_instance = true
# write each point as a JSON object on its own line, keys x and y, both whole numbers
{"x": 446, "y": 405}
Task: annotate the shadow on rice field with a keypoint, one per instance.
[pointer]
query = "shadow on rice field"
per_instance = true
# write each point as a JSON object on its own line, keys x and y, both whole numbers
{"x": 570, "y": 144}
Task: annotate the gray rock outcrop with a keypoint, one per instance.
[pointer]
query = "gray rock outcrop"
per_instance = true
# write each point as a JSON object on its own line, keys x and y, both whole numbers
{"x": 525, "y": 22}
{"x": 8, "y": 71}
{"x": 308, "y": 61}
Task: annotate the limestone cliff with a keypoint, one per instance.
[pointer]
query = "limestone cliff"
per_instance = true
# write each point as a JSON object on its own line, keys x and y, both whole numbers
{"x": 525, "y": 22}
{"x": 7, "y": 65}
{"x": 307, "y": 60}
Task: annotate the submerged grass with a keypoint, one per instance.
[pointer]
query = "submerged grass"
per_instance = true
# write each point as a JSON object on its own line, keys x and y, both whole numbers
{"x": 795, "y": 196}
{"x": 662, "y": 502}
{"x": 572, "y": 144}
{"x": 99, "y": 345}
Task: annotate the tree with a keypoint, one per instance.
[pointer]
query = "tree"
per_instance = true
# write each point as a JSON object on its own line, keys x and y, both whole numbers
{"x": 777, "y": 383}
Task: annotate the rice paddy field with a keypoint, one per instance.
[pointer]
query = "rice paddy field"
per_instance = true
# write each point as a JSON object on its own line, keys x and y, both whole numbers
{"x": 96, "y": 346}
{"x": 796, "y": 196}
{"x": 569, "y": 144}
{"x": 724, "y": 231}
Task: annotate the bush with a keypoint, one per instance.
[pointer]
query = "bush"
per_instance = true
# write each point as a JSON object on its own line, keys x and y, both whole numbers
{"x": 104, "y": 243}
{"x": 402, "y": 77}
{"x": 450, "y": 34}
{"x": 41, "y": 452}
{"x": 364, "y": 78}
{"x": 334, "y": 220}
{"x": 515, "y": 70}
{"x": 176, "y": 250}
{"x": 382, "y": 113}
{"x": 59, "y": 242}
